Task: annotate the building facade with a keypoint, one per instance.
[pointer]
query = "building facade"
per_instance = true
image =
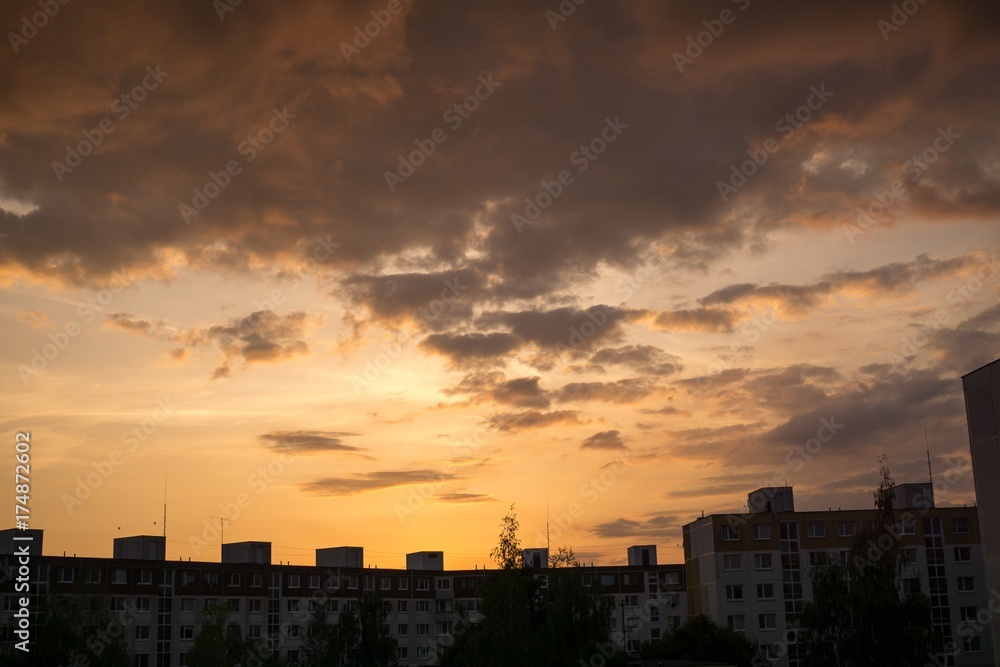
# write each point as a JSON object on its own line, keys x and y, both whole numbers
{"x": 160, "y": 603}
{"x": 751, "y": 572}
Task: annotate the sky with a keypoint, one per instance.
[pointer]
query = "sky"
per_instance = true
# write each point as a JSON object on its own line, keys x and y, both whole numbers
{"x": 370, "y": 273}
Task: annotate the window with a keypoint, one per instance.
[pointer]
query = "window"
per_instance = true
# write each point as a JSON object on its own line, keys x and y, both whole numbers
{"x": 960, "y": 525}
{"x": 141, "y": 661}
{"x": 92, "y": 576}
{"x": 767, "y": 622}
{"x": 187, "y": 632}
{"x": 966, "y": 584}
{"x": 423, "y": 584}
{"x": 187, "y": 578}
{"x": 972, "y": 644}
{"x": 843, "y": 557}
{"x": 293, "y": 656}
{"x": 401, "y": 606}
{"x": 404, "y": 653}
{"x": 142, "y": 604}
{"x": 313, "y": 581}
{"x": 142, "y": 632}
{"x": 423, "y": 606}
{"x": 762, "y": 562}
{"x": 369, "y": 582}
{"x": 423, "y": 629}
{"x": 911, "y": 586}
{"x": 423, "y": 652}
{"x": 672, "y": 579}
{"x": 734, "y": 592}
{"x": 253, "y": 632}
{"x": 815, "y": 529}
{"x": 737, "y": 623}
{"x": 963, "y": 555}
{"x": 909, "y": 555}
{"x": 730, "y": 533}
{"x": 119, "y": 576}
{"x": 234, "y": 578}
{"x": 631, "y": 600}
{"x": 732, "y": 562}
{"x": 333, "y": 606}
{"x": 293, "y": 632}
{"x": 818, "y": 558}
{"x": 761, "y": 531}
{"x": 765, "y": 591}
{"x": 968, "y": 613}
{"x": 845, "y": 529}
{"x": 607, "y": 580}
{"x": 210, "y": 602}
{"x": 66, "y": 575}
{"x": 443, "y": 606}
{"x": 906, "y": 527}
{"x": 145, "y": 577}
{"x": 211, "y": 578}
{"x": 443, "y": 628}
{"x": 402, "y": 629}
{"x": 256, "y": 580}
{"x": 293, "y": 606}
{"x": 187, "y": 604}
{"x": 256, "y": 605}
{"x": 294, "y": 581}
{"x": 402, "y": 584}
{"x": 352, "y": 582}
{"x": 234, "y": 605}
{"x": 117, "y": 604}
{"x": 444, "y": 584}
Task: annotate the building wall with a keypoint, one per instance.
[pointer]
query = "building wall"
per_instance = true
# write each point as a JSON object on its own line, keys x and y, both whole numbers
{"x": 165, "y": 599}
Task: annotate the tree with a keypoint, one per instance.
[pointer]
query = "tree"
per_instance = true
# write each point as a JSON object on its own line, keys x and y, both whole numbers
{"x": 71, "y": 630}
{"x": 701, "y": 638}
{"x": 564, "y": 557}
{"x": 858, "y": 615}
{"x": 365, "y": 634}
{"x": 507, "y": 553}
{"x": 221, "y": 643}
{"x": 524, "y": 623}
{"x": 322, "y": 646}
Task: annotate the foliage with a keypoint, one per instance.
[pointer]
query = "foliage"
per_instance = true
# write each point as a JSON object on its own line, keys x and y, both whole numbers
{"x": 701, "y": 638}
{"x": 221, "y": 643}
{"x": 359, "y": 639}
{"x": 507, "y": 553}
{"x": 526, "y": 623}
{"x": 858, "y": 616}
{"x": 74, "y": 630}
{"x": 564, "y": 557}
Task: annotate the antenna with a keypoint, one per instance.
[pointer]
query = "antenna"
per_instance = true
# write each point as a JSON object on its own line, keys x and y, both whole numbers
{"x": 223, "y": 520}
{"x": 930, "y": 473}
{"x": 164, "y": 506}
{"x": 548, "y": 543}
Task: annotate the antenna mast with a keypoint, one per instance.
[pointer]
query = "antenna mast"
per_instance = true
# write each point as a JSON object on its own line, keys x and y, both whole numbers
{"x": 164, "y": 507}
{"x": 548, "y": 542}
{"x": 930, "y": 473}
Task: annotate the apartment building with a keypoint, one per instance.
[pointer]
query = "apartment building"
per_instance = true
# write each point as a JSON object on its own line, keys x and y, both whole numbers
{"x": 751, "y": 572}
{"x": 160, "y": 602}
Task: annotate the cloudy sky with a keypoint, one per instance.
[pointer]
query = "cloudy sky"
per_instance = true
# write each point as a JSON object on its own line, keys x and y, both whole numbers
{"x": 367, "y": 273}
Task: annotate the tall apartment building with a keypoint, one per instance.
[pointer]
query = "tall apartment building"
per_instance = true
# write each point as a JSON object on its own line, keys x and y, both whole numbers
{"x": 751, "y": 572}
{"x": 160, "y": 602}
{"x": 982, "y": 410}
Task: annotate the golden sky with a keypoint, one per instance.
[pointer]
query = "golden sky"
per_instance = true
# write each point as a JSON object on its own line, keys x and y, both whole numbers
{"x": 369, "y": 273}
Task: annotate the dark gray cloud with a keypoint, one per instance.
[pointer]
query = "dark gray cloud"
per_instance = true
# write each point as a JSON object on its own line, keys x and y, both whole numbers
{"x": 308, "y": 442}
{"x": 373, "y": 481}
{"x": 604, "y": 440}
{"x": 645, "y": 359}
{"x": 513, "y": 422}
{"x": 660, "y": 527}
{"x": 521, "y": 393}
{"x": 474, "y": 348}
